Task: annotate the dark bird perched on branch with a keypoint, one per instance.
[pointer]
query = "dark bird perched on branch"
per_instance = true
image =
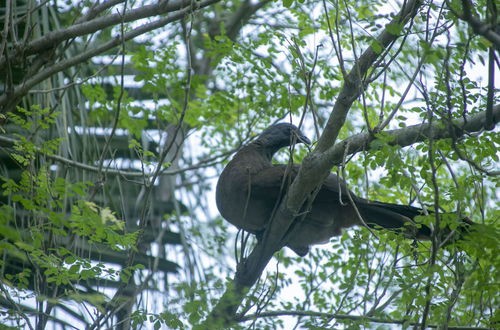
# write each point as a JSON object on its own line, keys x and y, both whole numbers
{"x": 251, "y": 187}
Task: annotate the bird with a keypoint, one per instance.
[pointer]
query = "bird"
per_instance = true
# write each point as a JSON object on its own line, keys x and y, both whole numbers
{"x": 250, "y": 188}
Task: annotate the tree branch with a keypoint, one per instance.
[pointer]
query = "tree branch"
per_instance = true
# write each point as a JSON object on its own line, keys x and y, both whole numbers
{"x": 352, "y": 87}
{"x": 97, "y": 9}
{"x": 316, "y": 166}
{"x": 488, "y": 31}
{"x": 312, "y": 172}
{"x": 223, "y": 313}
{"x": 8, "y": 100}
{"x": 206, "y": 162}
{"x": 52, "y": 39}
{"x": 239, "y": 19}
{"x": 344, "y": 317}
{"x": 404, "y": 137}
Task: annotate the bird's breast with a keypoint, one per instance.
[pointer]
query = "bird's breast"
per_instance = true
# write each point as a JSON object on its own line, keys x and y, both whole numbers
{"x": 234, "y": 202}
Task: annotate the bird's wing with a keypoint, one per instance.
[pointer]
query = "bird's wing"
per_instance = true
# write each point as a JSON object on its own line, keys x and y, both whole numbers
{"x": 273, "y": 182}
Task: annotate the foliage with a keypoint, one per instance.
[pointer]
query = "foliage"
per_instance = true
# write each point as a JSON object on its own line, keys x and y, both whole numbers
{"x": 106, "y": 188}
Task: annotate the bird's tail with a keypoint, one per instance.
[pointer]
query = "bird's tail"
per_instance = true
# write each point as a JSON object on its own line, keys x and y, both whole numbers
{"x": 395, "y": 217}
{"x": 402, "y": 217}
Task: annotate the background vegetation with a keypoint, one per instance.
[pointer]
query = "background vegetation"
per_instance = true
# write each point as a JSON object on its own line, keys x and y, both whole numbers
{"x": 117, "y": 116}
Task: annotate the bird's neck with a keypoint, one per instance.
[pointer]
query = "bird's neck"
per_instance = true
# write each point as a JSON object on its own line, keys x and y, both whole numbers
{"x": 265, "y": 151}
{"x": 256, "y": 153}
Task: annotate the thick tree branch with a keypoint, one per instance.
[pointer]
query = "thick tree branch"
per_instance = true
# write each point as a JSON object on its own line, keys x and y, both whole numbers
{"x": 314, "y": 169}
{"x": 52, "y": 39}
{"x": 404, "y": 137}
{"x": 205, "y": 162}
{"x": 486, "y": 30}
{"x": 316, "y": 166}
{"x": 489, "y": 31}
{"x": 97, "y": 9}
{"x": 223, "y": 313}
{"x": 353, "y": 84}
{"x": 10, "y": 99}
{"x": 233, "y": 22}
{"x": 225, "y": 310}
{"x": 240, "y": 18}
{"x": 344, "y": 317}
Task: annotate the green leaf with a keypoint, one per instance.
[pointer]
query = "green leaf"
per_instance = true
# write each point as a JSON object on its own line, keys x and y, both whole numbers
{"x": 394, "y": 28}
{"x": 377, "y": 46}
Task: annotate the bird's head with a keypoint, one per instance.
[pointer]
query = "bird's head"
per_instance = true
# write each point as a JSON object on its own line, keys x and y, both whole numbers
{"x": 281, "y": 135}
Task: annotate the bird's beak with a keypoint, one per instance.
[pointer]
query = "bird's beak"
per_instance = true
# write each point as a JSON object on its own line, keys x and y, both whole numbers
{"x": 302, "y": 138}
